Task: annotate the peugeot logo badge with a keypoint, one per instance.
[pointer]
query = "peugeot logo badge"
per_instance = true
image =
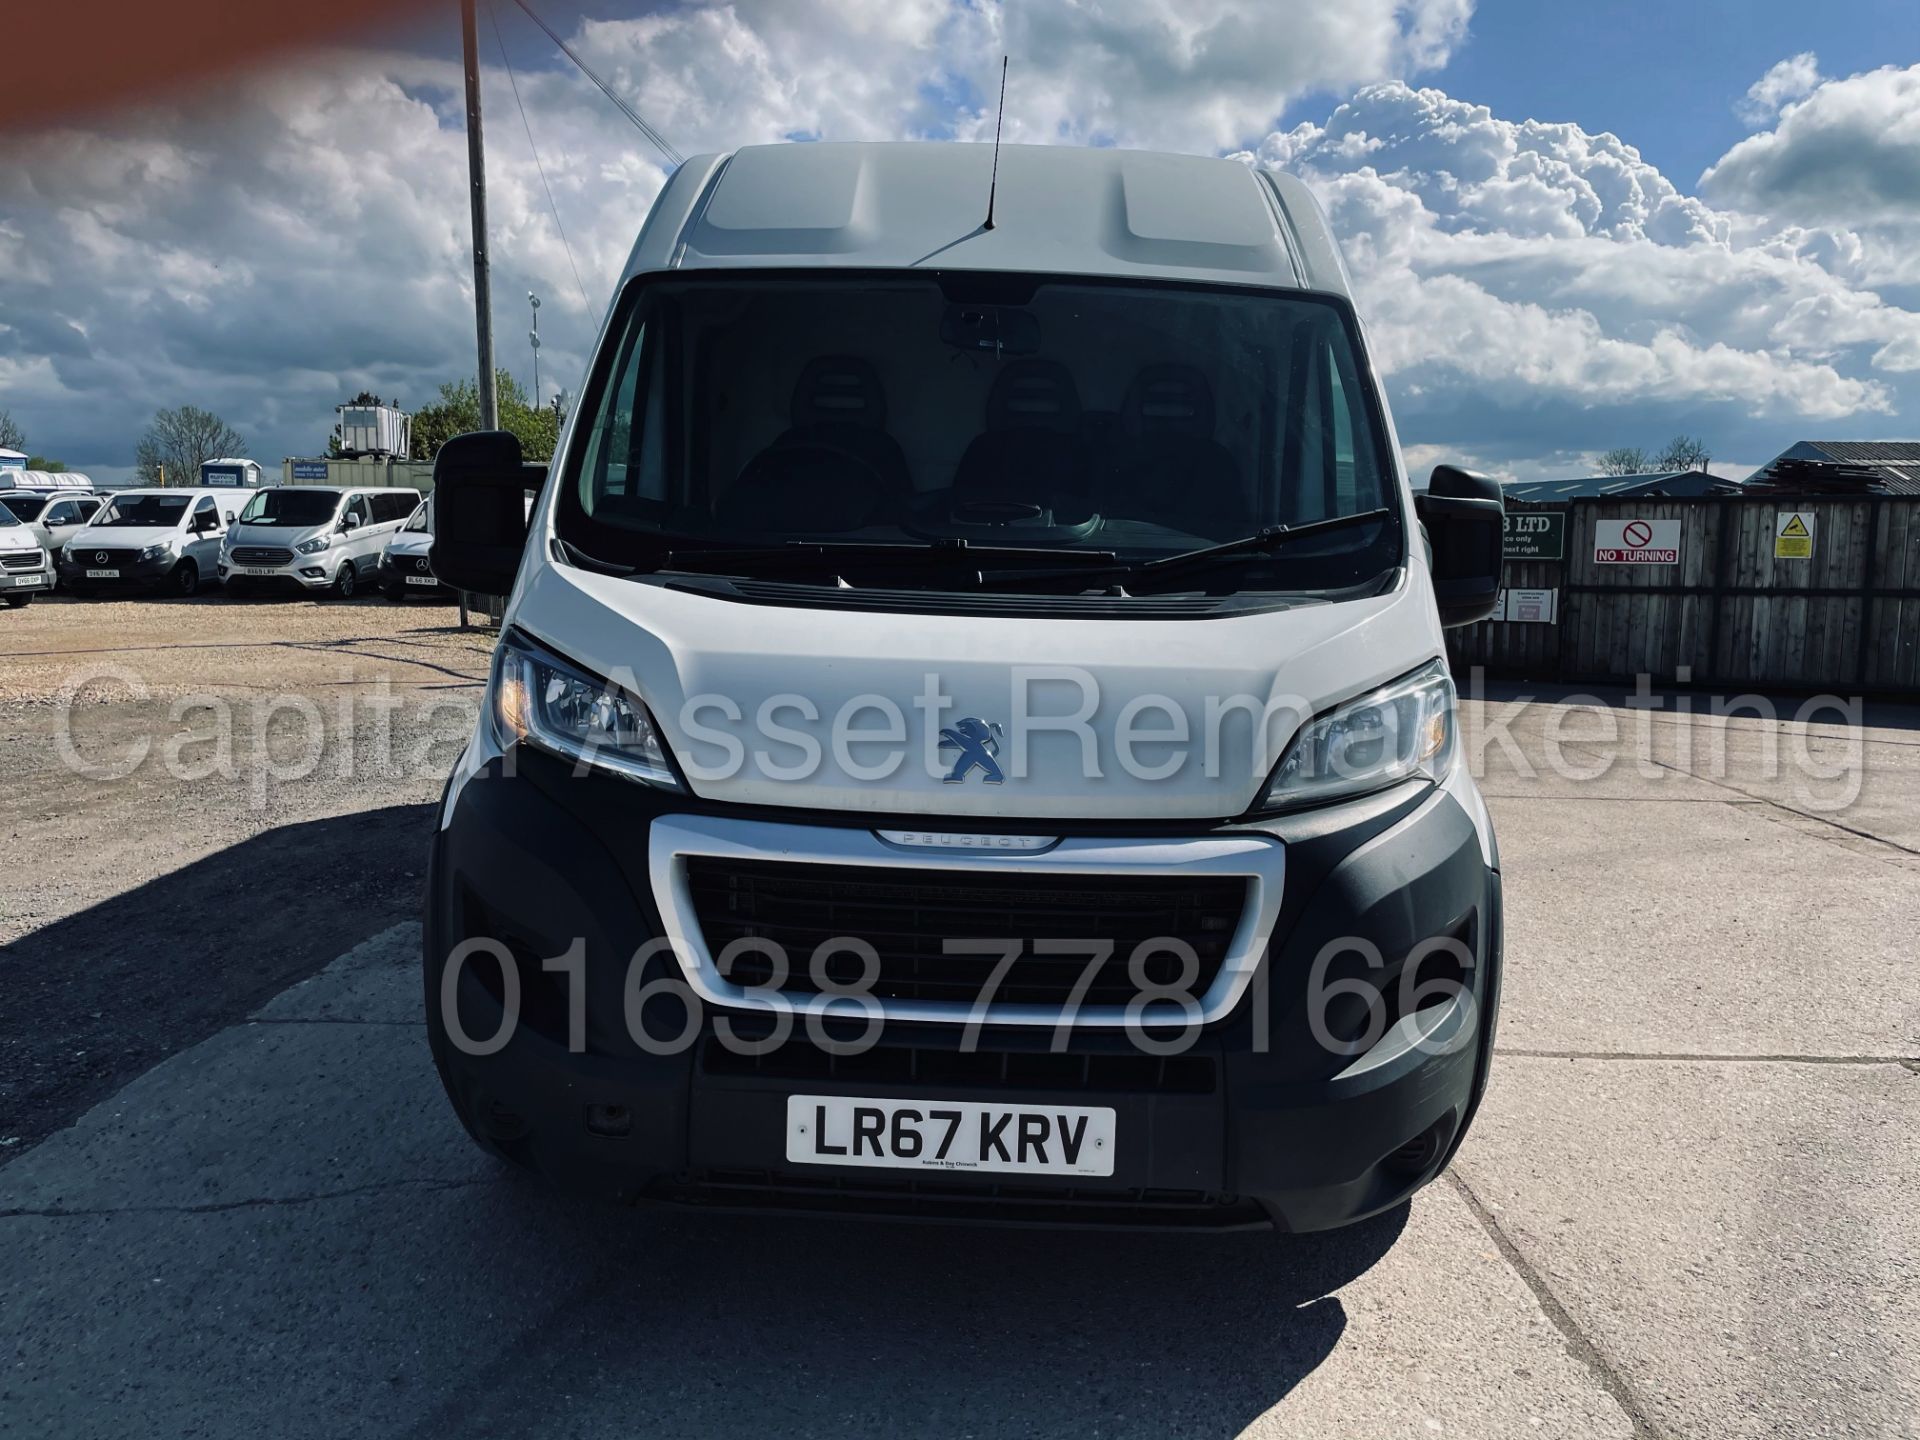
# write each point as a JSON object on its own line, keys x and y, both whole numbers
{"x": 978, "y": 743}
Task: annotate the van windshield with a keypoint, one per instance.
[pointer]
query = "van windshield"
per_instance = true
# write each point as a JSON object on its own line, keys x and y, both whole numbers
{"x": 1011, "y": 412}
{"x": 156, "y": 512}
{"x": 292, "y": 506}
{"x": 15, "y": 508}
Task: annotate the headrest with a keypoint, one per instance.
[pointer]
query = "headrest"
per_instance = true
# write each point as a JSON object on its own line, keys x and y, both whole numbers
{"x": 1170, "y": 400}
{"x": 1033, "y": 394}
{"x": 840, "y": 388}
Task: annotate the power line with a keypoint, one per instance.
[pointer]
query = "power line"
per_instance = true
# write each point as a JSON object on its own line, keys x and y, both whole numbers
{"x": 499, "y": 40}
{"x": 674, "y": 157}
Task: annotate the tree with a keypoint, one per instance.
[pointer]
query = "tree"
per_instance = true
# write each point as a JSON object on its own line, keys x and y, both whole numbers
{"x": 1626, "y": 460}
{"x": 41, "y": 462}
{"x": 1683, "y": 452}
{"x": 178, "y": 442}
{"x": 12, "y": 437}
{"x": 458, "y": 410}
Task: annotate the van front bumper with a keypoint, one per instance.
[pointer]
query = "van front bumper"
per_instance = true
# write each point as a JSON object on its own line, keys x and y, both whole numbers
{"x": 309, "y": 573}
{"x": 1256, "y": 1123}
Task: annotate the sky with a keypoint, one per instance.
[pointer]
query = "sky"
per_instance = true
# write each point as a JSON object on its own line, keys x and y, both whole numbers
{"x": 1570, "y": 227}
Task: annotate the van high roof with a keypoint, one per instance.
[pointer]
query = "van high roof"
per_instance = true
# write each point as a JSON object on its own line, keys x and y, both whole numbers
{"x": 1059, "y": 210}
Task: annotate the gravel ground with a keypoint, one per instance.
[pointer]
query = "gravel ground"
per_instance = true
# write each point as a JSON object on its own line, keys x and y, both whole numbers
{"x": 179, "y": 647}
{"x": 236, "y": 789}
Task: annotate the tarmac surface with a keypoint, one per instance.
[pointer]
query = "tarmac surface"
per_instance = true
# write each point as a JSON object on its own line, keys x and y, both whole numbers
{"x": 233, "y": 1200}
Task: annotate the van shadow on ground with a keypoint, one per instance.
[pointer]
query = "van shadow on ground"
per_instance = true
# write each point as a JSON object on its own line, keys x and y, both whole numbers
{"x": 99, "y": 997}
{"x": 663, "y": 1322}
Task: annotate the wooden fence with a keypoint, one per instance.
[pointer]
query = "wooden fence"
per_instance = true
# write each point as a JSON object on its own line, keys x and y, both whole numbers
{"x": 1738, "y": 609}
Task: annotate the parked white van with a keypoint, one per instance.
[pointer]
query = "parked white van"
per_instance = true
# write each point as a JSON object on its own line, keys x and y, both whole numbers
{"x": 312, "y": 537}
{"x": 153, "y": 540}
{"x": 405, "y": 568}
{"x": 971, "y": 734}
{"x": 54, "y": 514}
{"x": 25, "y": 569}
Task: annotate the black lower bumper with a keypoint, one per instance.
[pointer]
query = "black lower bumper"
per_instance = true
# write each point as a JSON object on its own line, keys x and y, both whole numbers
{"x": 1288, "y": 1112}
{"x": 133, "y": 576}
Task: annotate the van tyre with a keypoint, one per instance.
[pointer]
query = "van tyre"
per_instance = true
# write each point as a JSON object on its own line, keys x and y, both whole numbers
{"x": 185, "y": 579}
{"x": 346, "y": 583}
{"x": 19, "y": 602}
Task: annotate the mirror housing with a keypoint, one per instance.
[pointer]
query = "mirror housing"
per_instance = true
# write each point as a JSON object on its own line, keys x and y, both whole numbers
{"x": 480, "y": 485}
{"x": 1464, "y": 515}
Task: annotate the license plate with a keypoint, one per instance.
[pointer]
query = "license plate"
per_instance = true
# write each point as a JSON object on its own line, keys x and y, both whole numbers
{"x": 21, "y": 582}
{"x": 949, "y": 1135}
{"x": 103, "y": 574}
{"x": 423, "y": 580}
{"x": 257, "y": 570}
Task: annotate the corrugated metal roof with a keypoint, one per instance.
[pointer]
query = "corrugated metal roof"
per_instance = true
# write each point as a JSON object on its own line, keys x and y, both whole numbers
{"x": 1659, "y": 482}
{"x": 1890, "y": 467}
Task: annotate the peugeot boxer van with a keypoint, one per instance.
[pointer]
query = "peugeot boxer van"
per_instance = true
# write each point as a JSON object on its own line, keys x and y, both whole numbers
{"x": 293, "y": 538}
{"x": 971, "y": 733}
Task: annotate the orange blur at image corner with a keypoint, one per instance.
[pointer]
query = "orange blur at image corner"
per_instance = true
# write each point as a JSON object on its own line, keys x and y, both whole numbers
{"x": 98, "y": 55}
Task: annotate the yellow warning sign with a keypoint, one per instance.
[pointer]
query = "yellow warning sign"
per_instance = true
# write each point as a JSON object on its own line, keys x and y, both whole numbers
{"x": 1793, "y": 535}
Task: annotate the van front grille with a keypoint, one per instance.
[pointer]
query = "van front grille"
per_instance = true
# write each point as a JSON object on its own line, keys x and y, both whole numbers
{"x": 102, "y": 559}
{"x": 30, "y": 560}
{"x": 909, "y": 915}
{"x": 262, "y": 555}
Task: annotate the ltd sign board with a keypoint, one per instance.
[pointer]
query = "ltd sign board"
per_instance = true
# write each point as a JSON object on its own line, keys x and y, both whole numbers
{"x": 1534, "y": 535}
{"x": 1636, "y": 542}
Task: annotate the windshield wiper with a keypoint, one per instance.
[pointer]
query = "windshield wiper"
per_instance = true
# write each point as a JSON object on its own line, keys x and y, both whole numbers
{"x": 809, "y": 554}
{"x": 1261, "y": 542}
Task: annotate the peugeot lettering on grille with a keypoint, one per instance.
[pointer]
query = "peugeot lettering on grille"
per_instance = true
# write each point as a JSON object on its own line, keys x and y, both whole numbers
{"x": 978, "y": 742}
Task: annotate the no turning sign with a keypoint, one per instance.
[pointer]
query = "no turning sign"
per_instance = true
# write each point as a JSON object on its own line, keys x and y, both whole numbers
{"x": 1636, "y": 542}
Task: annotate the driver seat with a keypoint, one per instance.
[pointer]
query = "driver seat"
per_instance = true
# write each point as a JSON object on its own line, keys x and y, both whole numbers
{"x": 796, "y": 484}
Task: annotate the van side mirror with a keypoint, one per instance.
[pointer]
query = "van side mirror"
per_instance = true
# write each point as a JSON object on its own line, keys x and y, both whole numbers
{"x": 480, "y": 485}
{"x": 1464, "y": 515}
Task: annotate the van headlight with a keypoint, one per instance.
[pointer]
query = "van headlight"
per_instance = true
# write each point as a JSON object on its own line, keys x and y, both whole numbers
{"x": 315, "y": 545}
{"x": 1398, "y": 732}
{"x": 156, "y": 552}
{"x": 543, "y": 700}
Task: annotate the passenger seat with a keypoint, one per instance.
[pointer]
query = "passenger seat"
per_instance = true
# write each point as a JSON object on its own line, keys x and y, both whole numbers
{"x": 1178, "y": 474}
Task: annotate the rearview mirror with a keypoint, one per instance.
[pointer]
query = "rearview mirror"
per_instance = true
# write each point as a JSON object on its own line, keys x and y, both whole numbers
{"x": 1464, "y": 515}
{"x": 480, "y": 485}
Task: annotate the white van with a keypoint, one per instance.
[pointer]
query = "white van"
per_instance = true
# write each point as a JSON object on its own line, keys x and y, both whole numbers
{"x": 971, "y": 733}
{"x": 25, "y": 569}
{"x": 405, "y": 567}
{"x": 54, "y": 514}
{"x": 312, "y": 537}
{"x": 162, "y": 540}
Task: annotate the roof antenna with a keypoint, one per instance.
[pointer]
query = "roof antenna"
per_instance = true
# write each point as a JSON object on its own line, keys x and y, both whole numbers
{"x": 994, "y": 183}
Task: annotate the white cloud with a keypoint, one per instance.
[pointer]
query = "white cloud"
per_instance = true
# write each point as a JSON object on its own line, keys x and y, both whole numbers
{"x": 1198, "y": 74}
{"x": 1848, "y": 154}
{"x": 1536, "y": 291}
{"x": 1791, "y": 79}
{"x": 1549, "y": 286}
{"x": 304, "y": 234}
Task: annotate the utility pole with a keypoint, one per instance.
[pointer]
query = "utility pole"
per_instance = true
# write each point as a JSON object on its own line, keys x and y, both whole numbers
{"x": 534, "y": 335}
{"x": 477, "y": 189}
